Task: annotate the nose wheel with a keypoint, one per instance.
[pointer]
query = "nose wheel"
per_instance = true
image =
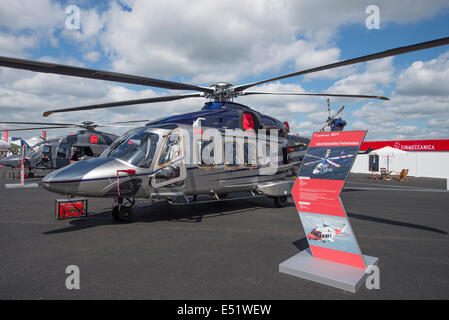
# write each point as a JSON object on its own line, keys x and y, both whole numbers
{"x": 280, "y": 201}
{"x": 123, "y": 212}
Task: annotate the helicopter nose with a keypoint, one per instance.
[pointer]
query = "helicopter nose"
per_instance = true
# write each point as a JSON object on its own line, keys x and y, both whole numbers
{"x": 67, "y": 180}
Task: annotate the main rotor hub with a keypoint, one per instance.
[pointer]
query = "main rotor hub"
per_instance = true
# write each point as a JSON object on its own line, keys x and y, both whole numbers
{"x": 89, "y": 125}
{"x": 222, "y": 92}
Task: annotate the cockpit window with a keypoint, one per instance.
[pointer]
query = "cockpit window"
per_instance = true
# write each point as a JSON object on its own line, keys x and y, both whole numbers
{"x": 137, "y": 148}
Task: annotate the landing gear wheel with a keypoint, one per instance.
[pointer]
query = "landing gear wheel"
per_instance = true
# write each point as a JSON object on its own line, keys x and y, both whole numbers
{"x": 280, "y": 201}
{"x": 124, "y": 214}
{"x": 115, "y": 212}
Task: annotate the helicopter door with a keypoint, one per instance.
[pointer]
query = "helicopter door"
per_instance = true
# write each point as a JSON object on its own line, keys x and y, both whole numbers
{"x": 44, "y": 157}
{"x": 170, "y": 165}
{"x": 62, "y": 155}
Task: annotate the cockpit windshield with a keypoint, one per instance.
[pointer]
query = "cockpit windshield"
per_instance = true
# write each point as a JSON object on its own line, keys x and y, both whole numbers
{"x": 136, "y": 147}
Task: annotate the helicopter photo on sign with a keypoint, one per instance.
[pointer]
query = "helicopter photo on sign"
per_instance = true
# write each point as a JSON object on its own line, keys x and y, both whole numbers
{"x": 329, "y": 232}
{"x": 328, "y": 162}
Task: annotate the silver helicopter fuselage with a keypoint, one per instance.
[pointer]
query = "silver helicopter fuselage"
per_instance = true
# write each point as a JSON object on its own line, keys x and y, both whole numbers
{"x": 154, "y": 173}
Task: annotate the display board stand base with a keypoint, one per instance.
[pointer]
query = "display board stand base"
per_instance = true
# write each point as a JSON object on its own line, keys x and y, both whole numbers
{"x": 304, "y": 265}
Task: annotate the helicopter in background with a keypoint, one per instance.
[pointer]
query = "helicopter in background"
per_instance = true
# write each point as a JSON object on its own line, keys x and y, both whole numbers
{"x": 59, "y": 152}
{"x": 334, "y": 123}
{"x": 149, "y": 162}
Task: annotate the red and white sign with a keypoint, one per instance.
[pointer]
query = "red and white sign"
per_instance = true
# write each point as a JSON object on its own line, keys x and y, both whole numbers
{"x": 409, "y": 145}
{"x": 318, "y": 196}
{"x": 316, "y": 192}
{"x": 337, "y": 139}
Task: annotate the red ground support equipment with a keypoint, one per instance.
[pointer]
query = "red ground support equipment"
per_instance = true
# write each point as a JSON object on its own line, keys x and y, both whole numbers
{"x": 70, "y": 208}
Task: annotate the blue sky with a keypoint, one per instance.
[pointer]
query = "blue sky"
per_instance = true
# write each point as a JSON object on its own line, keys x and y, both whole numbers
{"x": 203, "y": 42}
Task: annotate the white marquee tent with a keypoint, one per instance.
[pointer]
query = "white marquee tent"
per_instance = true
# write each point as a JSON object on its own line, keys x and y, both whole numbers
{"x": 432, "y": 164}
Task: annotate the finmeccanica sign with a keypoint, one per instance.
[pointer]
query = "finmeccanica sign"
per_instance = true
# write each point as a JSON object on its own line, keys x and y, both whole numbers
{"x": 409, "y": 145}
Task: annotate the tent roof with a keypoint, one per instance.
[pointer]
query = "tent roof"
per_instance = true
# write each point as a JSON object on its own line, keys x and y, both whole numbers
{"x": 388, "y": 151}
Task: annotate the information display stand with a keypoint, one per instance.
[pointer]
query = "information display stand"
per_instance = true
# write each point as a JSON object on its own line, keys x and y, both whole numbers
{"x": 334, "y": 257}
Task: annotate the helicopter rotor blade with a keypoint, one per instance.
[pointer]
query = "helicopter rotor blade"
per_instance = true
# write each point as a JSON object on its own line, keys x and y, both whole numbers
{"x": 310, "y": 155}
{"x": 47, "y": 67}
{"x": 246, "y": 93}
{"x": 333, "y": 163}
{"x": 374, "y": 56}
{"x": 44, "y": 123}
{"x": 326, "y": 125}
{"x": 342, "y": 157}
{"x": 38, "y": 128}
{"x": 338, "y": 112}
{"x": 126, "y": 103}
{"x": 120, "y": 122}
{"x": 308, "y": 163}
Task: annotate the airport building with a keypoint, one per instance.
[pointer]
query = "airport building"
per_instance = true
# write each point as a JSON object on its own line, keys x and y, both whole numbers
{"x": 423, "y": 158}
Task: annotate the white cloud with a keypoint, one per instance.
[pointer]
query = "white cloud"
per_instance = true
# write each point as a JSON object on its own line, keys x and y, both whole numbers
{"x": 92, "y": 56}
{"x": 421, "y": 95}
{"x": 32, "y": 15}
{"x": 11, "y": 45}
{"x": 377, "y": 74}
{"x": 429, "y": 78}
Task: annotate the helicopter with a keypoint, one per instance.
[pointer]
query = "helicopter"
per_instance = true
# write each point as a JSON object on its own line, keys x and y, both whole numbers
{"x": 326, "y": 233}
{"x": 153, "y": 161}
{"x": 326, "y": 164}
{"x": 334, "y": 123}
{"x": 4, "y": 146}
{"x": 55, "y": 153}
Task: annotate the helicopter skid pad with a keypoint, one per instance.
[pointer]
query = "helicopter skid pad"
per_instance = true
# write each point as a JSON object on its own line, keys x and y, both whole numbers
{"x": 304, "y": 265}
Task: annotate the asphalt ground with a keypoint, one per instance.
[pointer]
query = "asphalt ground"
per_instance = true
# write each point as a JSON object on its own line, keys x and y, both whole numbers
{"x": 220, "y": 250}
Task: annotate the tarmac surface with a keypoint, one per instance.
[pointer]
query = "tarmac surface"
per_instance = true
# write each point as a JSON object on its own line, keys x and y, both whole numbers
{"x": 220, "y": 250}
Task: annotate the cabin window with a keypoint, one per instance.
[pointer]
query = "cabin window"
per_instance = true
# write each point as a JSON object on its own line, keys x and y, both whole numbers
{"x": 171, "y": 149}
{"x": 250, "y": 154}
{"x": 231, "y": 154}
{"x": 61, "y": 152}
{"x": 205, "y": 153}
{"x": 171, "y": 171}
{"x": 167, "y": 173}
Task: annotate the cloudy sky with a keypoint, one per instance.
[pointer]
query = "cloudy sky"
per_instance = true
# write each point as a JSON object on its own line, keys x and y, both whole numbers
{"x": 207, "y": 41}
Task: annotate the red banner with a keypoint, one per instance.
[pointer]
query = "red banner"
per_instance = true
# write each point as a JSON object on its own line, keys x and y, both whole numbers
{"x": 409, "y": 145}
